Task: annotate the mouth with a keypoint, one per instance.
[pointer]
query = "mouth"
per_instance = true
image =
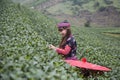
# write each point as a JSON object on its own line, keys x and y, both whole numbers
{"x": 63, "y": 35}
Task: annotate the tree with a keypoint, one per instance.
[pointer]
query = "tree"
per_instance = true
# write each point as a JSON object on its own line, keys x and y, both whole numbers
{"x": 87, "y": 23}
{"x": 97, "y": 4}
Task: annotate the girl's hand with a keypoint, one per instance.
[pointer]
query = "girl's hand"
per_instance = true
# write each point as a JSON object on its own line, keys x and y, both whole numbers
{"x": 52, "y": 47}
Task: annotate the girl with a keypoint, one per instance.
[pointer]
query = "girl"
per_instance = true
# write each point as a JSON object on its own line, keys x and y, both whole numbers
{"x": 67, "y": 46}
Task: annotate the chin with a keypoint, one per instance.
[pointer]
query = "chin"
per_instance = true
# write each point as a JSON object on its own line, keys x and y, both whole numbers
{"x": 63, "y": 35}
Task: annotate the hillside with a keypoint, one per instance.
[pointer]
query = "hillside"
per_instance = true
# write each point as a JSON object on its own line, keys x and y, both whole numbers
{"x": 24, "y": 52}
{"x": 25, "y": 35}
{"x": 97, "y": 12}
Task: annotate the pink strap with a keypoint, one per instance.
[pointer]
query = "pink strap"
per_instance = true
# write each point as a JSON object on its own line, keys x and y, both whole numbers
{"x": 64, "y": 51}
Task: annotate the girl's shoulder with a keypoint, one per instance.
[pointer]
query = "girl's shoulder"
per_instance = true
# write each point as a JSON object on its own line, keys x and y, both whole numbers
{"x": 71, "y": 41}
{"x": 71, "y": 38}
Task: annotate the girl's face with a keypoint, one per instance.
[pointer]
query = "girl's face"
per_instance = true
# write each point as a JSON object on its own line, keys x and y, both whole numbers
{"x": 63, "y": 32}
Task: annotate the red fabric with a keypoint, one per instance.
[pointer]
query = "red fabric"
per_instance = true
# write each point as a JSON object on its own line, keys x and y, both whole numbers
{"x": 64, "y": 51}
{"x": 87, "y": 65}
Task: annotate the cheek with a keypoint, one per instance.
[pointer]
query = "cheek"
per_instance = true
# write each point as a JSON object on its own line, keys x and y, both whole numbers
{"x": 64, "y": 32}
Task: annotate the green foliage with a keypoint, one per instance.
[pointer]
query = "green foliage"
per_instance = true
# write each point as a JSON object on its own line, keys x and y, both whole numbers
{"x": 90, "y": 5}
{"x": 30, "y": 3}
{"x": 24, "y": 54}
{"x": 102, "y": 8}
{"x": 108, "y": 2}
{"x": 99, "y": 48}
{"x": 87, "y": 23}
{"x": 79, "y": 2}
{"x": 61, "y": 8}
{"x": 96, "y": 4}
{"x": 37, "y": 2}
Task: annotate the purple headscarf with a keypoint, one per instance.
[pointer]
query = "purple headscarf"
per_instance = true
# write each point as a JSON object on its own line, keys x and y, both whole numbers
{"x": 63, "y": 24}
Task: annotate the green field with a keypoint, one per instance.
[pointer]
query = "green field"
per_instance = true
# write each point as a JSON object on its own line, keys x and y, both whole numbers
{"x": 24, "y": 54}
{"x": 30, "y": 3}
{"x": 86, "y": 5}
{"x": 67, "y": 8}
{"x": 61, "y": 8}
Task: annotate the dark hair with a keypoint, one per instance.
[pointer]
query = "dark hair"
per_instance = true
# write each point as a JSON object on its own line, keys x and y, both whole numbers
{"x": 64, "y": 39}
{"x": 65, "y": 21}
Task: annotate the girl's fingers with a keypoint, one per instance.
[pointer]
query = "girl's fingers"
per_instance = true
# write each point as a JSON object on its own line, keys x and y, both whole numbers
{"x": 51, "y": 46}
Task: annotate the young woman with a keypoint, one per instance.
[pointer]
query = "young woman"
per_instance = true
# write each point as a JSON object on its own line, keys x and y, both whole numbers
{"x": 67, "y": 46}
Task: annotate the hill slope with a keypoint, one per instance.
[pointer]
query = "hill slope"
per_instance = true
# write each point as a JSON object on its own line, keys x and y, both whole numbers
{"x": 97, "y": 12}
{"x": 24, "y": 52}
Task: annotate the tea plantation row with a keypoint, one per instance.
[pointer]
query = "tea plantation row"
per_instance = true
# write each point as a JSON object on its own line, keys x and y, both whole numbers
{"x": 24, "y": 53}
{"x": 100, "y": 49}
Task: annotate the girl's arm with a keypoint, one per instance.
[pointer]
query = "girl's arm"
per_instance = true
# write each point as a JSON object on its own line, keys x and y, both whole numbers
{"x": 64, "y": 51}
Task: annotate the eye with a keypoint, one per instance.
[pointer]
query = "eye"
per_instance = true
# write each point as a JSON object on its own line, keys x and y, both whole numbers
{"x": 64, "y": 27}
{"x": 60, "y": 30}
